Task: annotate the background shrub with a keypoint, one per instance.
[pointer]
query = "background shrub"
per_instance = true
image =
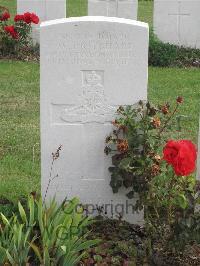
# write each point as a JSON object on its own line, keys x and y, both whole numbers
{"x": 167, "y": 55}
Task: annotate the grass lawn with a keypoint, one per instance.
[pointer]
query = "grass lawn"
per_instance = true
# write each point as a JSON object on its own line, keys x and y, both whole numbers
{"x": 19, "y": 128}
{"x": 19, "y": 109}
{"x": 19, "y": 122}
{"x": 10, "y": 4}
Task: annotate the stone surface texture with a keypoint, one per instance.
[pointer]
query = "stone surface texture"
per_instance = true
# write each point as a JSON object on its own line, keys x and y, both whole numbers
{"x": 178, "y": 22}
{"x": 89, "y": 67}
{"x": 113, "y": 8}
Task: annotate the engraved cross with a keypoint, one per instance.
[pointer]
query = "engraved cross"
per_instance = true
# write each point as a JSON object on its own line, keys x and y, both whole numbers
{"x": 179, "y": 15}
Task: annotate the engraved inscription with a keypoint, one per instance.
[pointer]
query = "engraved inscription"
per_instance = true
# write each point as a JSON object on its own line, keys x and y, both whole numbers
{"x": 92, "y": 107}
{"x": 89, "y": 48}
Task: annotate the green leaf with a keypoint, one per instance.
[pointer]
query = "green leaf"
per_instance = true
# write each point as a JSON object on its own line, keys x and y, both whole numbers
{"x": 130, "y": 195}
{"x": 115, "y": 190}
{"x": 112, "y": 169}
{"x": 37, "y": 252}
{"x": 98, "y": 258}
{"x": 115, "y": 185}
{"x": 47, "y": 259}
{"x": 124, "y": 164}
{"x": 31, "y": 211}
{"x": 73, "y": 260}
{"x": 40, "y": 214}
{"x": 2, "y": 255}
{"x": 115, "y": 160}
{"x": 5, "y": 220}
{"x": 87, "y": 244}
{"x": 22, "y": 213}
{"x": 19, "y": 233}
{"x": 64, "y": 248}
{"x": 127, "y": 183}
{"x": 182, "y": 201}
{"x": 11, "y": 260}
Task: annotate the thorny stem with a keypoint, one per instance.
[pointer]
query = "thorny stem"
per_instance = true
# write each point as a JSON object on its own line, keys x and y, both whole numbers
{"x": 50, "y": 179}
{"x": 55, "y": 156}
{"x": 145, "y": 134}
{"x": 168, "y": 120}
{"x": 156, "y": 212}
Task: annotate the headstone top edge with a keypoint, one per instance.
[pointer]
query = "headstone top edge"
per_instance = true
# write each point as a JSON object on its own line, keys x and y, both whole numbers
{"x": 94, "y": 19}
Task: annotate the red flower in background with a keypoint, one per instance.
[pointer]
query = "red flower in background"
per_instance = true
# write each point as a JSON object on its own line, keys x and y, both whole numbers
{"x": 35, "y": 18}
{"x": 5, "y": 16}
{"x": 19, "y": 18}
{"x": 31, "y": 18}
{"x": 181, "y": 155}
{"x": 27, "y": 17}
{"x": 11, "y": 30}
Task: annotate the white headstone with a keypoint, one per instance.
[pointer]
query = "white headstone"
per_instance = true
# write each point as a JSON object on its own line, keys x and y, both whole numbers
{"x": 178, "y": 22}
{"x": 44, "y": 9}
{"x": 89, "y": 67}
{"x": 113, "y": 8}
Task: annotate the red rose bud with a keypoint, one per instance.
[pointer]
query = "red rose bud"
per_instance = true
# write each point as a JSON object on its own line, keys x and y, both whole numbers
{"x": 165, "y": 109}
{"x": 179, "y": 99}
{"x": 11, "y": 30}
{"x": 5, "y": 16}
{"x": 181, "y": 155}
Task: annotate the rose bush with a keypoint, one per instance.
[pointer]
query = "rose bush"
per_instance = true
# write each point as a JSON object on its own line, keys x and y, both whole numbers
{"x": 15, "y": 37}
{"x": 161, "y": 177}
{"x": 11, "y": 31}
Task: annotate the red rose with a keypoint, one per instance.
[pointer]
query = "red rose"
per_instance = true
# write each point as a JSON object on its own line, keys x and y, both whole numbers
{"x": 4, "y": 16}
{"x": 31, "y": 18}
{"x": 27, "y": 17}
{"x": 170, "y": 151}
{"x": 11, "y": 31}
{"x": 19, "y": 18}
{"x": 34, "y": 18}
{"x": 186, "y": 160}
{"x": 181, "y": 155}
